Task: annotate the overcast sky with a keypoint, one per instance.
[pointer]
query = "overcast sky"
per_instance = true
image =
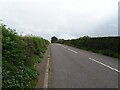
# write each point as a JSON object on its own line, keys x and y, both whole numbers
{"x": 63, "y": 18}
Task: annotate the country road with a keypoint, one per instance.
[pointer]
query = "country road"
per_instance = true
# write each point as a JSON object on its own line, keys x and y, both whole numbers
{"x": 75, "y": 68}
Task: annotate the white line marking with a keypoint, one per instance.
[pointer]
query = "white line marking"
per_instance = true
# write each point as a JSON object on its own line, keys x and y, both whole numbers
{"x": 104, "y": 65}
{"x": 72, "y": 51}
{"x": 61, "y": 45}
{"x": 47, "y": 73}
{"x": 64, "y": 47}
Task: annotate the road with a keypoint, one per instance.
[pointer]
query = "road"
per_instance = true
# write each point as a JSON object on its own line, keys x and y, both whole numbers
{"x": 76, "y": 68}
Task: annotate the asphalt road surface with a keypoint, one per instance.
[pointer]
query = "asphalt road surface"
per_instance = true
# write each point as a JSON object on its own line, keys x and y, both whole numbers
{"x": 76, "y": 68}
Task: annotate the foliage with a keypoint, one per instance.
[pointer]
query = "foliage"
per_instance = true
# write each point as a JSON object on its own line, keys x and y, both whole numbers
{"x": 19, "y": 55}
{"x": 103, "y": 45}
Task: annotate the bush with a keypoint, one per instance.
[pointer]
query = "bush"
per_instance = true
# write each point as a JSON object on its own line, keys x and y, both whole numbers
{"x": 104, "y": 45}
{"x": 19, "y": 54}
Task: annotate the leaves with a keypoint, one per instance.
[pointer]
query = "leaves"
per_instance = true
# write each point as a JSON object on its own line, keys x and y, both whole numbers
{"x": 19, "y": 54}
{"x": 103, "y": 45}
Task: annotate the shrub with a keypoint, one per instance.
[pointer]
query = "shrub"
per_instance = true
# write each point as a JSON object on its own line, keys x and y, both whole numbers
{"x": 104, "y": 45}
{"x": 19, "y": 54}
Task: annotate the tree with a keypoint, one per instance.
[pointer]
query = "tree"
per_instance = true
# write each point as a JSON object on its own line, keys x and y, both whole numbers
{"x": 54, "y": 39}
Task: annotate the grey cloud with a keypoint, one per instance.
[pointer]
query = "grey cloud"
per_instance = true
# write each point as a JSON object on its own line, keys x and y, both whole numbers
{"x": 63, "y": 18}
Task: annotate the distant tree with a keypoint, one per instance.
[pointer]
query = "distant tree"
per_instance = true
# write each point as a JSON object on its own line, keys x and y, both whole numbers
{"x": 60, "y": 41}
{"x": 54, "y": 39}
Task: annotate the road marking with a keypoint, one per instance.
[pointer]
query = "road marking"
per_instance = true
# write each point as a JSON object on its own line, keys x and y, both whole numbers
{"x": 104, "y": 65}
{"x": 72, "y": 50}
{"x": 64, "y": 47}
{"x": 47, "y": 73}
{"x": 61, "y": 45}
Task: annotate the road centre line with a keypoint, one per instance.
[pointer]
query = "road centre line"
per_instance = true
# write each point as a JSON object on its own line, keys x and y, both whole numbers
{"x": 72, "y": 50}
{"x": 104, "y": 65}
{"x": 63, "y": 46}
{"x": 96, "y": 61}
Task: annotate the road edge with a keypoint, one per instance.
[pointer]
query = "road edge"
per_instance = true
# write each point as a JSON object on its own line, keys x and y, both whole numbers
{"x": 41, "y": 69}
{"x": 46, "y": 79}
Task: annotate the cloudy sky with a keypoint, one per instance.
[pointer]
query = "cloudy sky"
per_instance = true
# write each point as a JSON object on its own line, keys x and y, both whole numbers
{"x": 63, "y": 18}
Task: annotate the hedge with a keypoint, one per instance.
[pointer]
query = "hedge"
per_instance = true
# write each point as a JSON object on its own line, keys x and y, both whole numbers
{"x": 19, "y": 55}
{"x": 103, "y": 45}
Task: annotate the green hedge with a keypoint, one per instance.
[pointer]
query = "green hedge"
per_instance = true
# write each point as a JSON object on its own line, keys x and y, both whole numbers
{"x": 103, "y": 45}
{"x": 19, "y": 55}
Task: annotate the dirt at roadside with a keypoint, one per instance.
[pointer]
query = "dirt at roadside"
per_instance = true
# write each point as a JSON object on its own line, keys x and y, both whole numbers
{"x": 41, "y": 68}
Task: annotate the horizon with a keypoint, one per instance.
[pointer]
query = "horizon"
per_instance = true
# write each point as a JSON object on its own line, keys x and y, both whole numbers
{"x": 67, "y": 19}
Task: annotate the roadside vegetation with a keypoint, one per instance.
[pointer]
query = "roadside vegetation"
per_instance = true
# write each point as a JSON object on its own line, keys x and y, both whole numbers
{"x": 103, "y": 45}
{"x": 19, "y": 56}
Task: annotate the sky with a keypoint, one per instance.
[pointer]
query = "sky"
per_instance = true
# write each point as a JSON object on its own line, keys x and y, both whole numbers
{"x": 67, "y": 19}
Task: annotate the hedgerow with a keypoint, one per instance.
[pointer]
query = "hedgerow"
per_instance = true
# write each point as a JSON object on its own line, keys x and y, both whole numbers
{"x": 104, "y": 45}
{"x": 19, "y": 55}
